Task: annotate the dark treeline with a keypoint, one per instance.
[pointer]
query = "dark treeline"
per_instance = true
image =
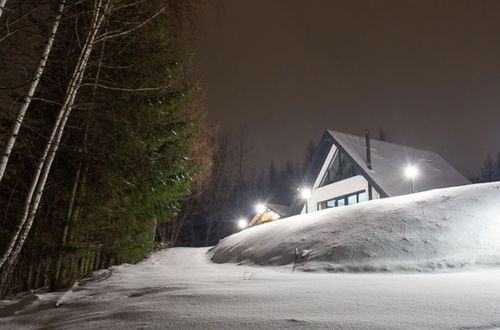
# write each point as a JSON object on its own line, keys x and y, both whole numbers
{"x": 112, "y": 138}
{"x": 489, "y": 171}
{"x": 231, "y": 192}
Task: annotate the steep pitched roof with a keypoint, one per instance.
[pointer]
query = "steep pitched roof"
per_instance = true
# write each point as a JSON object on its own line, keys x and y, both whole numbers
{"x": 389, "y": 160}
{"x": 388, "y": 163}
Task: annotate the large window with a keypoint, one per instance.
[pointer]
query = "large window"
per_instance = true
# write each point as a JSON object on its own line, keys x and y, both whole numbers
{"x": 340, "y": 168}
{"x": 349, "y": 199}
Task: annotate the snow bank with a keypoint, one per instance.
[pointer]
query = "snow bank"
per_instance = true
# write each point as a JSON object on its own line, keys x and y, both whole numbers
{"x": 437, "y": 229}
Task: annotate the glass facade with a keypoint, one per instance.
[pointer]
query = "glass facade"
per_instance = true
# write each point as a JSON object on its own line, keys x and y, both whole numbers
{"x": 340, "y": 168}
{"x": 349, "y": 199}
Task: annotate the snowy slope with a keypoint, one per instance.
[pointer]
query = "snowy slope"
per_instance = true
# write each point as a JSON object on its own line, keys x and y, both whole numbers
{"x": 438, "y": 229}
{"x": 181, "y": 289}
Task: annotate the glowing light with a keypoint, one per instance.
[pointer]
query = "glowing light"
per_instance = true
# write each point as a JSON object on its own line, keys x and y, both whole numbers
{"x": 260, "y": 208}
{"x": 305, "y": 193}
{"x": 411, "y": 172}
{"x": 242, "y": 224}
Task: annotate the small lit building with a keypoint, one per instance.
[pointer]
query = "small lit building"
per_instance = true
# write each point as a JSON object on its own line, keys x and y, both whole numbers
{"x": 348, "y": 169}
{"x": 268, "y": 213}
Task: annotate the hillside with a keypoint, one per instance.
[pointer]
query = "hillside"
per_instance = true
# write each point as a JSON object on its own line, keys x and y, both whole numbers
{"x": 439, "y": 229}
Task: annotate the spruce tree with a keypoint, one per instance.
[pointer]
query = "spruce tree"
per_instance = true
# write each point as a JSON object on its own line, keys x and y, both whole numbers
{"x": 488, "y": 170}
{"x": 497, "y": 168}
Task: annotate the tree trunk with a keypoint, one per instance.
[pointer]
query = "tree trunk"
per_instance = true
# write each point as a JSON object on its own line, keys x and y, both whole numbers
{"x": 78, "y": 191}
{"x": 31, "y": 89}
{"x": 97, "y": 260}
{"x": 45, "y": 162}
{"x": 29, "y": 280}
{"x": 82, "y": 264}
{"x": 2, "y": 6}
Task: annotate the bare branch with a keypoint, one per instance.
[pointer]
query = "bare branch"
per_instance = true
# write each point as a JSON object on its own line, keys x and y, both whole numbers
{"x": 31, "y": 91}
{"x": 126, "y": 5}
{"x": 143, "y": 89}
{"x": 41, "y": 99}
{"x": 117, "y": 34}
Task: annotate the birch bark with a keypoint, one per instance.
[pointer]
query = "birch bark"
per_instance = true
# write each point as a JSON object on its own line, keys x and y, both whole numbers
{"x": 2, "y": 6}
{"x": 31, "y": 89}
{"x": 45, "y": 162}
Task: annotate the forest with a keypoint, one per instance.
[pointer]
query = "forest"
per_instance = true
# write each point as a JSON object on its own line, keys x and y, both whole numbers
{"x": 106, "y": 150}
{"x": 101, "y": 133}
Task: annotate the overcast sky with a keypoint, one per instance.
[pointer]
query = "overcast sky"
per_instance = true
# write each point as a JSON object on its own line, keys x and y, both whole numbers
{"x": 427, "y": 72}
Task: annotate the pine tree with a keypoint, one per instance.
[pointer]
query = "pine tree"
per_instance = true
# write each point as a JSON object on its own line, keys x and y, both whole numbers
{"x": 381, "y": 135}
{"x": 497, "y": 168}
{"x": 488, "y": 170}
{"x": 310, "y": 150}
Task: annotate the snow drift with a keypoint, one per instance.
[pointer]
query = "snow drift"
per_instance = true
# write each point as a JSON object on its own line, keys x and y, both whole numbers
{"x": 437, "y": 229}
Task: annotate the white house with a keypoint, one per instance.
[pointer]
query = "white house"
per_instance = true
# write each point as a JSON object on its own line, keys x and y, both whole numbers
{"x": 348, "y": 169}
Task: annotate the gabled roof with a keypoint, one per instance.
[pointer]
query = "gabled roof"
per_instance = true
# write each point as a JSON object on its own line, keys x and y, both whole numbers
{"x": 388, "y": 163}
{"x": 282, "y": 210}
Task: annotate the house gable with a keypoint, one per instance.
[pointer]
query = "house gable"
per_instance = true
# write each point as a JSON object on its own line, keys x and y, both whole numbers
{"x": 386, "y": 174}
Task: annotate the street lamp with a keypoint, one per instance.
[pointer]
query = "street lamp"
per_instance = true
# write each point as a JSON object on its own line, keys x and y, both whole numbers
{"x": 411, "y": 172}
{"x": 260, "y": 208}
{"x": 242, "y": 223}
{"x": 305, "y": 193}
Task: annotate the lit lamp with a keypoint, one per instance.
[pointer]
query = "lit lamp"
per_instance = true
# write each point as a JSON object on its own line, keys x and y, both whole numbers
{"x": 411, "y": 172}
{"x": 305, "y": 193}
{"x": 242, "y": 223}
{"x": 260, "y": 208}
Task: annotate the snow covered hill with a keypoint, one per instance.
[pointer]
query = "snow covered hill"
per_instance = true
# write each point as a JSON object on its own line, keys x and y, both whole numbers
{"x": 438, "y": 229}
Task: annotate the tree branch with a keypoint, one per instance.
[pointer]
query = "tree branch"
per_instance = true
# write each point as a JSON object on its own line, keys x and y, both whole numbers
{"x": 143, "y": 89}
{"x": 115, "y": 34}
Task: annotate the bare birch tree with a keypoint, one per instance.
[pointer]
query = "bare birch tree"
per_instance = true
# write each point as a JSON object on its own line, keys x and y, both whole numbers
{"x": 45, "y": 162}
{"x": 31, "y": 89}
{"x": 101, "y": 10}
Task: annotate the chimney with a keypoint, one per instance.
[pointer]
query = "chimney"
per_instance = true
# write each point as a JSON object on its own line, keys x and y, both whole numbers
{"x": 368, "y": 150}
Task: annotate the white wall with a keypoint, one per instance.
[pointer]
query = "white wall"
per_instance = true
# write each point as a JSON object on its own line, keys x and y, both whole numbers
{"x": 336, "y": 189}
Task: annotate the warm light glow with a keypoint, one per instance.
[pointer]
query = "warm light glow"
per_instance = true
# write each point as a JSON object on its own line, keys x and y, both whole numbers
{"x": 242, "y": 224}
{"x": 411, "y": 172}
{"x": 260, "y": 208}
{"x": 305, "y": 193}
{"x": 276, "y": 216}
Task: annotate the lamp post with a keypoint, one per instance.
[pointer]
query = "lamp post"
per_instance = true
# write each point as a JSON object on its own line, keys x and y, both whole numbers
{"x": 411, "y": 172}
{"x": 305, "y": 193}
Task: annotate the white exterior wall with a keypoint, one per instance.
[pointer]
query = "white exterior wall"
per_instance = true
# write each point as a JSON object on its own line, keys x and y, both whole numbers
{"x": 336, "y": 189}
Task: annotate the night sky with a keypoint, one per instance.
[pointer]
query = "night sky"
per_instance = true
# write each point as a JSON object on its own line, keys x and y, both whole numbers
{"x": 427, "y": 72}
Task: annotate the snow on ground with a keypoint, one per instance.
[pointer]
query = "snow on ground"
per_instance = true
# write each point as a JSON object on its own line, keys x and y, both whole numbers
{"x": 437, "y": 229}
{"x": 181, "y": 289}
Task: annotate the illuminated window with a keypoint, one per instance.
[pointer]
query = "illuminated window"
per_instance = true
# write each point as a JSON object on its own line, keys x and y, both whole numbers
{"x": 362, "y": 197}
{"x": 349, "y": 199}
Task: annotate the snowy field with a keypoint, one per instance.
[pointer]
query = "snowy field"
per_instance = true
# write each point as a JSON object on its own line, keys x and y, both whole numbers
{"x": 422, "y": 261}
{"x": 181, "y": 289}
